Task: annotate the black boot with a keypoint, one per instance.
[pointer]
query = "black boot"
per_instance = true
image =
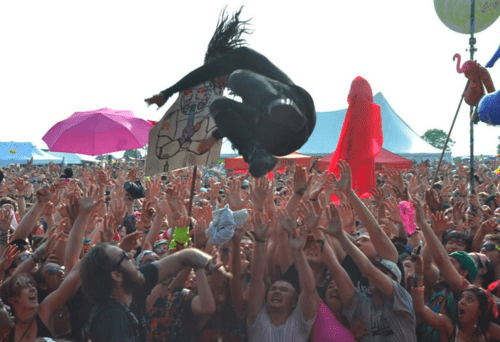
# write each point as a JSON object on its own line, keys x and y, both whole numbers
{"x": 286, "y": 113}
{"x": 259, "y": 161}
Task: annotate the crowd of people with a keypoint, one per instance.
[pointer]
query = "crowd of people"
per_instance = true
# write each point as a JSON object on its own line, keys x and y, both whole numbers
{"x": 96, "y": 253}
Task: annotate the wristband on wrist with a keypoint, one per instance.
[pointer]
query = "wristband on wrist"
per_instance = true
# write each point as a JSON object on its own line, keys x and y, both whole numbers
{"x": 260, "y": 240}
{"x": 420, "y": 289}
{"x": 300, "y": 192}
{"x": 313, "y": 199}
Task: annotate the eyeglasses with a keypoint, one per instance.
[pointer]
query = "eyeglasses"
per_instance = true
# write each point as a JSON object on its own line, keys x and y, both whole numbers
{"x": 490, "y": 247}
{"x": 124, "y": 256}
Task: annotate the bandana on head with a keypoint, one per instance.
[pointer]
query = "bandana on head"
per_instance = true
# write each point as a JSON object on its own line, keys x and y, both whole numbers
{"x": 467, "y": 262}
{"x": 221, "y": 228}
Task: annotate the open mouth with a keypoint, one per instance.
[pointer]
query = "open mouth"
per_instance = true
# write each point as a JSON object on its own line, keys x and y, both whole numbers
{"x": 461, "y": 312}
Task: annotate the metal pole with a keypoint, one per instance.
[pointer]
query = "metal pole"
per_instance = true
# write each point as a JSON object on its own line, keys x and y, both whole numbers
{"x": 448, "y": 137}
{"x": 472, "y": 49}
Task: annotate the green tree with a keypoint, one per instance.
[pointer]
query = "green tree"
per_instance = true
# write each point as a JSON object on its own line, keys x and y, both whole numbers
{"x": 132, "y": 154}
{"x": 437, "y": 138}
{"x": 498, "y": 147}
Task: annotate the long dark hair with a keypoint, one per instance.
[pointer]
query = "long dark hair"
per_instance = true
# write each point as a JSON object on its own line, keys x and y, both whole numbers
{"x": 485, "y": 307}
{"x": 95, "y": 269}
{"x": 227, "y": 35}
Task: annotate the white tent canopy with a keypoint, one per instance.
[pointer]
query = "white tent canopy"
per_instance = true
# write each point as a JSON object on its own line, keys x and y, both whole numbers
{"x": 20, "y": 152}
{"x": 399, "y": 138}
{"x": 73, "y": 158}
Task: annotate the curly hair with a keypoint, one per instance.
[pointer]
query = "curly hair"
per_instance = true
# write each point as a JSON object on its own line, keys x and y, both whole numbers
{"x": 96, "y": 268}
{"x": 227, "y": 35}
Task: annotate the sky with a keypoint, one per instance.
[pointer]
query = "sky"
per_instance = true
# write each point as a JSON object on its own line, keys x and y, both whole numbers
{"x": 59, "y": 57}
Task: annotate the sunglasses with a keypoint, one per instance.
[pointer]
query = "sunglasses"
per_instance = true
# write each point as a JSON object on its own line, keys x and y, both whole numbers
{"x": 23, "y": 281}
{"x": 124, "y": 256}
{"x": 490, "y": 247}
{"x": 24, "y": 257}
{"x": 54, "y": 270}
{"x": 457, "y": 236}
{"x": 160, "y": 250}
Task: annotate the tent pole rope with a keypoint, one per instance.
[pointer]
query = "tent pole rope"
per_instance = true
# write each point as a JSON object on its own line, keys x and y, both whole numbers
{"x": 472, "y": 49}
{"x": 448, "y": 137}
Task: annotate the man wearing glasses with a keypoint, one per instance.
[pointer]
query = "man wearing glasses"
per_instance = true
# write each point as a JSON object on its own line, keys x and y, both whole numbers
{"x": 491, "y": 248}
{"x": 119, "y": 290}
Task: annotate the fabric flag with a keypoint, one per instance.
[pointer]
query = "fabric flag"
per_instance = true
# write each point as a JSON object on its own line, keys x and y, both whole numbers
{"x": 493, "y": 59}
{"x": 361, "y": 138}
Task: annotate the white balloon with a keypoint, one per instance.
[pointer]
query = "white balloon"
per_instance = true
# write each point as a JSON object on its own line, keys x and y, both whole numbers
{"x": 455, "y": 14}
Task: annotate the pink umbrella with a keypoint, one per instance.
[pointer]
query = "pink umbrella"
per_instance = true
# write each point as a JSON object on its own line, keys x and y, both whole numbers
{"x": 98, "y": 132}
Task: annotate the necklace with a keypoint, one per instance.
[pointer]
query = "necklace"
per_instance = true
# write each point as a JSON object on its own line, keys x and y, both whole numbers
{"x": 26, "y": 332}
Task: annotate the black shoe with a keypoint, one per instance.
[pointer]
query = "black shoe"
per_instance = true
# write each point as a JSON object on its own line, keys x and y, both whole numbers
{"x": 259, "y": 161}
{"x": 286, "y": 113}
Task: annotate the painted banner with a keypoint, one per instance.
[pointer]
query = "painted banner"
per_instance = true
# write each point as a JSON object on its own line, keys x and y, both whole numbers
{"x": 174, "y": 140}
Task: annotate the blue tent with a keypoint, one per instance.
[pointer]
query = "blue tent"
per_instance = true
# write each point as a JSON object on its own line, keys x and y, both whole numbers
{"x": 399, "y": 138}
{"x": 20, "y": 152}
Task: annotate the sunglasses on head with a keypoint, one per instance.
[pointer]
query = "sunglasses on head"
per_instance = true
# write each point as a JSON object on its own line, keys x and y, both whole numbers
{"x": 23, "y": 281}
{"x": 24, "y": 257}
{"x": 457, "y": 236}
{"x": 54, "y": 270}
{"x": 490, "y": 247}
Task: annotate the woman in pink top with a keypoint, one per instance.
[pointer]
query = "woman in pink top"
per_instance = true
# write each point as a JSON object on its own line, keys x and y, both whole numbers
{"x": 327, "y": 326}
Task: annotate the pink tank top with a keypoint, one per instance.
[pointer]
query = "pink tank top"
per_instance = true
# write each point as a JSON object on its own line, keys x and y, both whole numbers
{"x": 328, "y": 328}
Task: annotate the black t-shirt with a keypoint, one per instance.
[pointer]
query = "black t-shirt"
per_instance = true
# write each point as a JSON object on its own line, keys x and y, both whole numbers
{"x": 79, "y": 313}
{"x": 114, "y": 321}
{"x": 361, "y": 282}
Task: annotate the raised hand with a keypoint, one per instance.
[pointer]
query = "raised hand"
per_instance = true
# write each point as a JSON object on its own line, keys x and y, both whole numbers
{"x": 108, "y": 229}
{"x": 258, "y": 191}
{"x": 298, "y": 241}
{"x": 239, "y": 232}
{"x": 378, "y": 195}
{"x": 433, "y": 200}
{"x": 347, "y": 217}
{"x": 118, "y": 209}
{"x": 158, "y": 99}
{"x": 440, "y": 223}
{"x": 21, "y": 186}
{"x": 147, "y": 213}
{"x": 286, "y": 220}
{"x": 308, "y": 214}
{"x": 318, "y": 185}
{"x": 233, "y": 195}
{"x": 91, "y": 200}
{"x": 130, "y": 241}
{"x": 5, "y": 219}
{"x": 49, "y": 209}
{"x": 489, "y": 226}
{"x": 260, "y": 223}
{"x": 333, "y": 222}
{"x": 200, "y": 234}
{"x": 396, "y": 178}
{"x": 344, "y": 184}
{"x": 301, "y": 180}
{"x": 458, "y": 211}
{"x": 8, "y": 256}
{"x": 419, "y": 209}
{"x": 392, "y": 206}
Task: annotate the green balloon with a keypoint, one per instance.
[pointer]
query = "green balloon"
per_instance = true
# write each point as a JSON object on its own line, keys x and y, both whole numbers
{"x": 455, "y": 14}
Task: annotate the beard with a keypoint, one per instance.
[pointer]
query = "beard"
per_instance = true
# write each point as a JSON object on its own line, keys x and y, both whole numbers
{"x": 133, "y": 280}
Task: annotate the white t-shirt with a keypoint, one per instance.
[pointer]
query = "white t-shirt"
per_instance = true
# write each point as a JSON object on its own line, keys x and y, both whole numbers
{"x": 295, "y": 329}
